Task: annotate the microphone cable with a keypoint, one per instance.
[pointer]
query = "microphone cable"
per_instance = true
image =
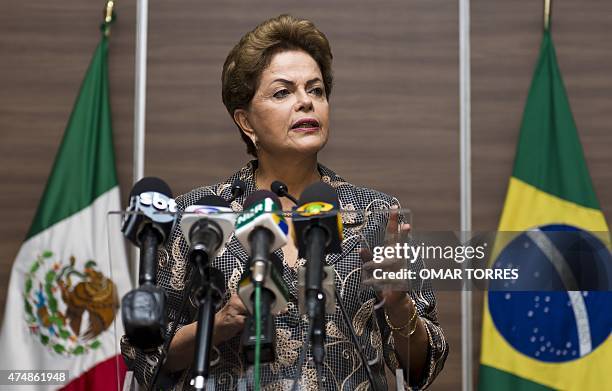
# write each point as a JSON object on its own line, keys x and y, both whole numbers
{"x": 302, "y": 357}
{"x": 318, "y": 367}
{"x": 366, "y": 365}
{"x": 257, "y": 314}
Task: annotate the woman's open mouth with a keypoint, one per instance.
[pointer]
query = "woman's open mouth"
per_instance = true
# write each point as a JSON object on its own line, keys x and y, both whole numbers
{"x": 305, "y": 125}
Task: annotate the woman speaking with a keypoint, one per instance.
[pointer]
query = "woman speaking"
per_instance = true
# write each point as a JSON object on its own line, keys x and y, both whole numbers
{"x": 276, "y": 85}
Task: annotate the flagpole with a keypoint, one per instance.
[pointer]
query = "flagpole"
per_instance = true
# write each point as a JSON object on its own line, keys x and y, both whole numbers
{"x": 140, "y": 95}
{"x": 547, "y": 4}
{"x": 465, "y": 187}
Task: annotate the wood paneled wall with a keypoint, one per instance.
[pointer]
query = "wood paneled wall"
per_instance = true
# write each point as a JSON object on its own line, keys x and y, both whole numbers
{"x": 395, "y": 111}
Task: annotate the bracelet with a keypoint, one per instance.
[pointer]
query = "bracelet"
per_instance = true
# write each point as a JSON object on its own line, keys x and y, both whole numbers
{"x": 215, "y": 358}
{"x": 412, "y": 323}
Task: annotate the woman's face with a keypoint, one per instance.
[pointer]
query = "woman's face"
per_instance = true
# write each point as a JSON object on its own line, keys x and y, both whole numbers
{"x": 289, "y": 112}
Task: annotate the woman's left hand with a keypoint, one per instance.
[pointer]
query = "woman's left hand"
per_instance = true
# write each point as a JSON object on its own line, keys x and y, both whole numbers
{"x": 392, "y": 291}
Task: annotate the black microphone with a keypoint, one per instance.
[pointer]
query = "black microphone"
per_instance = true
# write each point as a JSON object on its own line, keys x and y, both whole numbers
{"x": 238, "y": 189}
{"x": 281, "y": 190}
{"x": 318, "y": 231}
{"x": 262, "y": 229}
{"x": 147, "y": 224}
{"x": 318, "y": 207}
{"x": 206, "y": 226}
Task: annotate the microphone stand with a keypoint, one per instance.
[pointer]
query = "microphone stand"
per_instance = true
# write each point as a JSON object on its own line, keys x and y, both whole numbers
{"x": 315, "y": 304}
{"x": 209, "y": 297}
{"x": 260, "y": 264}
{"x": 143, "y": 309}
{"x": 315, "y": 297}
{"x": 148, "y": 256}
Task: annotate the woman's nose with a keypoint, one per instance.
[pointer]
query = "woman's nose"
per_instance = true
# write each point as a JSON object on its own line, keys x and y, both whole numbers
{"x": 304, "y": 101}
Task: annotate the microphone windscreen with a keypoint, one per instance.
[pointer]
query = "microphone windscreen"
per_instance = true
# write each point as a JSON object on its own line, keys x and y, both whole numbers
{"x": 319, "y": 192}
{"x": 212, "y": 200}
{"x": 318, "y": 206}
{"x": 278, "y": 188}
{"x": 238, "y": 187}
{"x": 151, "y": 183}
{"x": 259, "y": 196}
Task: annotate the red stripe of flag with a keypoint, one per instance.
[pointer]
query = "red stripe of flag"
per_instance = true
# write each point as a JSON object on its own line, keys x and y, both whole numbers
{"x": 102, "y": 377}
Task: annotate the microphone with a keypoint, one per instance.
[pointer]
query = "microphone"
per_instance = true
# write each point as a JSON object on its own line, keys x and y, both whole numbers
{"x": 150, "y": 211}
{"x": 262, "y": 229}
{"x": 147, "y": 226}
{"x": 206, "y": 226}
{"x": 281, "y": 190}
{"x": 238, "y": 189}
{"x": 317, "y": 231}
{"x": 270, "y": 291}
{"x": 318, "y": 208}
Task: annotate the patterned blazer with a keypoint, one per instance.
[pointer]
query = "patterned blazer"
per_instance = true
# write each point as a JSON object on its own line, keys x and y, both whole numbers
{"x": 342, "y": 369}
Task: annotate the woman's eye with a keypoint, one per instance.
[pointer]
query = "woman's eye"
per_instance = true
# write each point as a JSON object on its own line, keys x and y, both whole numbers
{"x": 281, "y": 93}
{"x": 318, "y": 91}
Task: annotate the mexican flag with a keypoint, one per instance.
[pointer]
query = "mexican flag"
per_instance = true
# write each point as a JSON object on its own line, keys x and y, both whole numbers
{"x": 63, "y": 297}
{"x": 548, "y": 340}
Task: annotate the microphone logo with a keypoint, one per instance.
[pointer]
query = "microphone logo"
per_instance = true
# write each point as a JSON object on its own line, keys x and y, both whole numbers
{"x": 158, "y": 201}
{"x": 314, "y": 208}
{"x": 203, "y": 210}
{"x": 259, "y": 211}
{"x": 148, "y": 208}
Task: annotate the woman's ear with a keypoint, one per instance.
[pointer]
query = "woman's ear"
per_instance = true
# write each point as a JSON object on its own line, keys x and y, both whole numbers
{"x": 241, "y": 118}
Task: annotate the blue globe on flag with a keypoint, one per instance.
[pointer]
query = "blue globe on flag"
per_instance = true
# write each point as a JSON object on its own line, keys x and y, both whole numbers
{"x": 560, "y": 307}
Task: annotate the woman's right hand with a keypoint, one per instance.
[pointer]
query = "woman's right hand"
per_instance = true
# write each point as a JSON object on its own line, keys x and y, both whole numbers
{"x": 229, "y": 321}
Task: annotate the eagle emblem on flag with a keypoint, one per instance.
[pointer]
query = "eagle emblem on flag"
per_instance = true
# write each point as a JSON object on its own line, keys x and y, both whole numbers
{"x": 67, "y": 308}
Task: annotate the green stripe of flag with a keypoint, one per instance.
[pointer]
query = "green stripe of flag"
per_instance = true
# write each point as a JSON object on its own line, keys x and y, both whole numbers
{"x": 84, "y": 167}
{"x": 495, "y": 380}
{"x": 549, "y": 154}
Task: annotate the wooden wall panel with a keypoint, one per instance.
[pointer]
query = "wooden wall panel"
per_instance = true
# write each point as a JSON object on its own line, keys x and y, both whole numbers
{"x": 506, "y": 40}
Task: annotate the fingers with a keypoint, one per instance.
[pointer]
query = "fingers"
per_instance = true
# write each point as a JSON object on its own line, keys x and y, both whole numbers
{"x": 403, "y": 235}
{"x": 235, "y": 305}
{"x": 226, "y": 326}
{"x": 365, "y": 255}
{"x": 239, "y": 320}
{"x": 396, "y": 232}
{"x": 393, "y": 224}
{"x": 234, "y": 313}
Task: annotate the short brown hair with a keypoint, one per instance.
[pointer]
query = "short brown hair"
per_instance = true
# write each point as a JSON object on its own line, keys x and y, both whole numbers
{"x": 248, "y": 59}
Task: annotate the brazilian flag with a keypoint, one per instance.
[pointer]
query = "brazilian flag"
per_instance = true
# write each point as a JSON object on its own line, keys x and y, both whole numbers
{"x": 548, "y": 340}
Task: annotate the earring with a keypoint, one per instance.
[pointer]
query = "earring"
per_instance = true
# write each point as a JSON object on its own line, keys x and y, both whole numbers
{"x": 256, "y": 145}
